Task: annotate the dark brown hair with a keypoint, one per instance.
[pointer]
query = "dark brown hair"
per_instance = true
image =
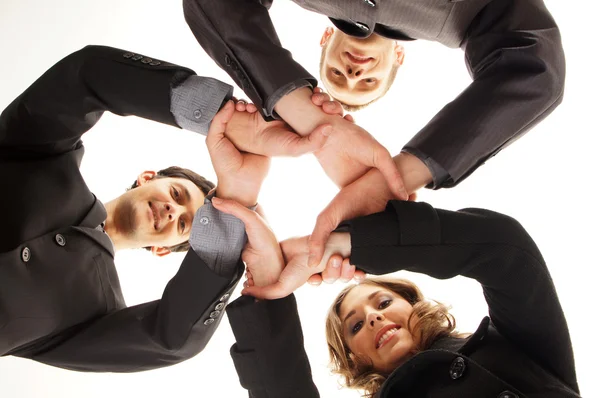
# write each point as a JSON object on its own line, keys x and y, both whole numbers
{"x": 179, "y": 172}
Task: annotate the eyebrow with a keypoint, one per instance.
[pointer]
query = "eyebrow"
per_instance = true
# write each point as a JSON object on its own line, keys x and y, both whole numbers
{"x": 368, "y": 298}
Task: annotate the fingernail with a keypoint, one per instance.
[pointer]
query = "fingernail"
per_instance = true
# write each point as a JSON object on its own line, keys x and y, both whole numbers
{"x": 312, "y": 283}
{"x": 216, "y": 200}
{"x": 343, "y": 280}
{"x": 358, "y": 278}
{"x": 329, "y": 281}
{"x": 327, "y": 130}
{"x": 336, "y": 263}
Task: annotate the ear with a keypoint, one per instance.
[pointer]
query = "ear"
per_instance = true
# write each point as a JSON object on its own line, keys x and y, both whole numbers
{"x": 326, "y": 35}
{"x": 145, "y": 177}
{"x": 399, "y": 50}
{"x": 160, "y": 251}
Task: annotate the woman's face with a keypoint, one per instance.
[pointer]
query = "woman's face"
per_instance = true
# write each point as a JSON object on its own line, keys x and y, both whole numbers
{"x": 375, "y": 326}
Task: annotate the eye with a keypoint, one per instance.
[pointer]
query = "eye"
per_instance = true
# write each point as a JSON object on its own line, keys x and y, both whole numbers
{"x": 336, "y": 72}
{"x": 371, "y": 80}
{"x": 176, "y": 194}
{"x": 356, "y": 327}
{"x": 182, "y": 225}
{"x": 384, "y": 304}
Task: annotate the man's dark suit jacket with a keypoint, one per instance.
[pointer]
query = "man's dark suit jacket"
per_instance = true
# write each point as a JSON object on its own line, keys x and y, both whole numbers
{"x": 525, "y": 351}
{"x": 512, "y": 50}
{"x": 60, "y": 298}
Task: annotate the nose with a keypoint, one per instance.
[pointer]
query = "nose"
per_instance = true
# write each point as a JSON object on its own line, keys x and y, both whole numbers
{"x": 354, "y": 71}
{"x": 170, "y": 211}
{"x": 374, "y": 318}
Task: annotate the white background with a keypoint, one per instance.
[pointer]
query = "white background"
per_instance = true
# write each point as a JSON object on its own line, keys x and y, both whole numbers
{"x": 547, "y": 180}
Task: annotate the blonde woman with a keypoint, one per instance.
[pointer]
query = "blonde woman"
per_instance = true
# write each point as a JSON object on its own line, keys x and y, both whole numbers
{"x": 384, "y": 338}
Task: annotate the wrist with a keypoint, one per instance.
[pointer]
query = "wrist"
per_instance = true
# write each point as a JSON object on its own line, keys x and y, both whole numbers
{"x": 415, "y": 173}
{"x": 297, "y": 109}
{"x": 339, "y": 243}
{"x": 246, "y": 199}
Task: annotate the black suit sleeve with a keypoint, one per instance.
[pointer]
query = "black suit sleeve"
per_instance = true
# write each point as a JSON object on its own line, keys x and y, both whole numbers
{"x": 150, "y": 335}
{"x": 239, "y": 36}
{"x": 514, "y": 54}
{"x": 489, "y": 247}
{"x": 269, "y": 351}
{"x": 66, "y": 101}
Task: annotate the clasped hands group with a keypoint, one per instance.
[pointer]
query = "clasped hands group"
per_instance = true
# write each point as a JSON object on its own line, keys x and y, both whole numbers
{"x": 241, "y": 143}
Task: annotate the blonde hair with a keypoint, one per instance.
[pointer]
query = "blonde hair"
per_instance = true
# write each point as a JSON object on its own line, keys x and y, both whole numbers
{"x": 428, "y": 322}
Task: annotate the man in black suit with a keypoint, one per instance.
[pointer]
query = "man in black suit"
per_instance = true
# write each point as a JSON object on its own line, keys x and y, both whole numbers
{"x": 512, "y": 49}
{"x": 60, "y": 298}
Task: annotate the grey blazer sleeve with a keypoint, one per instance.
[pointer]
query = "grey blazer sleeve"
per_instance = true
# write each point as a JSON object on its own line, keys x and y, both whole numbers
{"x": 269, "y": 353}
{"x": 514, "y": 54}
{"x": 222, "y": 26}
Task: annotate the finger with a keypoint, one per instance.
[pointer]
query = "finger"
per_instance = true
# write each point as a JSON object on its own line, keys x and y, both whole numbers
{"x": 333, "y": 108}
{"x": 319, "y": 99}
{"x": 240, "y": 106}
{"x": 251, "y": 108}
{"x": 248, "y": 217}
{"x": 326, "y": 222}
{"x": 290, "y": 144}
{"x": 332, "y": 271}
{"x": 359, "y": 275}
{"x": 271, "y": 292}
{"x": 317, "y": 90}
{"x": 315, "y": 280}
{"x": 347, "y": 272}
{"x": 349, "y": 118}
{"x": 385, "y": 164}
{"x": 412, "y": 197}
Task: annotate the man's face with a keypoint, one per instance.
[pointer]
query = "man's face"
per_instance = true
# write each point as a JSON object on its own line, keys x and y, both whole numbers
{"x": 356, "y": 71}
{"x": 159, "y": 212}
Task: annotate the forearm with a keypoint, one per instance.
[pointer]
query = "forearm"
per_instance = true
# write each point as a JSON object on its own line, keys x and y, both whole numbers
{"x": 297, "y": 109}
{"x": 415, "y": 173}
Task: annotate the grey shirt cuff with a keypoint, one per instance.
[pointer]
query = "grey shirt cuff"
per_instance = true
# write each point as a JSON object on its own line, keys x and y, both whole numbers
{"x": 438, "y": 173}
{"x": 282, "y": 92}
{"x": 217, "y": 238}
{"x": 196, "y": 101}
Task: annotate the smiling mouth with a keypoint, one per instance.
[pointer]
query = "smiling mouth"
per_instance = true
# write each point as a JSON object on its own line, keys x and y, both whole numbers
{"x": 386, "y": 336}
{"x": 154, "y": 216}
{"x": 358, "y": 59}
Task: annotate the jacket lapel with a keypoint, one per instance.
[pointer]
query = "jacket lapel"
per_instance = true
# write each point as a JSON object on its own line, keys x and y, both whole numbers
{"x": 95, "y": 217}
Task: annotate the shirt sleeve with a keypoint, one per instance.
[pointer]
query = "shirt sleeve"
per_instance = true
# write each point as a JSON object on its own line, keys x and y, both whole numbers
{"x": 196, "y": 101}
{"x": 217, "y": 238}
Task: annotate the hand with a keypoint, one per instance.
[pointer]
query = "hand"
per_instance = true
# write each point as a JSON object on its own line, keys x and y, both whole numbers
{"x": 349, "y": 151}
{"x": 329, "y": 106}
{"x": 240, "y": 175}
{"x": 297, "y": 271}
{"x": 367, "y": 195}
{"x": 337, "y": 268}
{"x": 250, "y": 133}
{"x": 262, "y": 253}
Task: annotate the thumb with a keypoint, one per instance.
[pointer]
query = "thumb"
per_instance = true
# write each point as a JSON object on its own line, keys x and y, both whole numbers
{"x": 288, "y": 143}
{"x": 316, "y": 243}
{"x": 221, "y": 119}
{"x": 247, "y": 216}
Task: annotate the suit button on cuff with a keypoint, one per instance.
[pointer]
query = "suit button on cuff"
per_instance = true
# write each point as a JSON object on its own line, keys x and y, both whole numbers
{"x": 219, "y": 306}
{"x": 209, "y": 321}
{"x": 155, "y": 63}
{"x": 60, "y": 240}
{"x": 215, "y": 314}
{"x": 25, "y": 254}
{"x": 370, "y": 2}
{"x": 204, "y": 220}
{"x": 225, "y": 297}
{"x": 146, "y": 60}
{"x": 128, "y": 55}
{"x": 197, "y": 114}
{"x": 508, "y": 394}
